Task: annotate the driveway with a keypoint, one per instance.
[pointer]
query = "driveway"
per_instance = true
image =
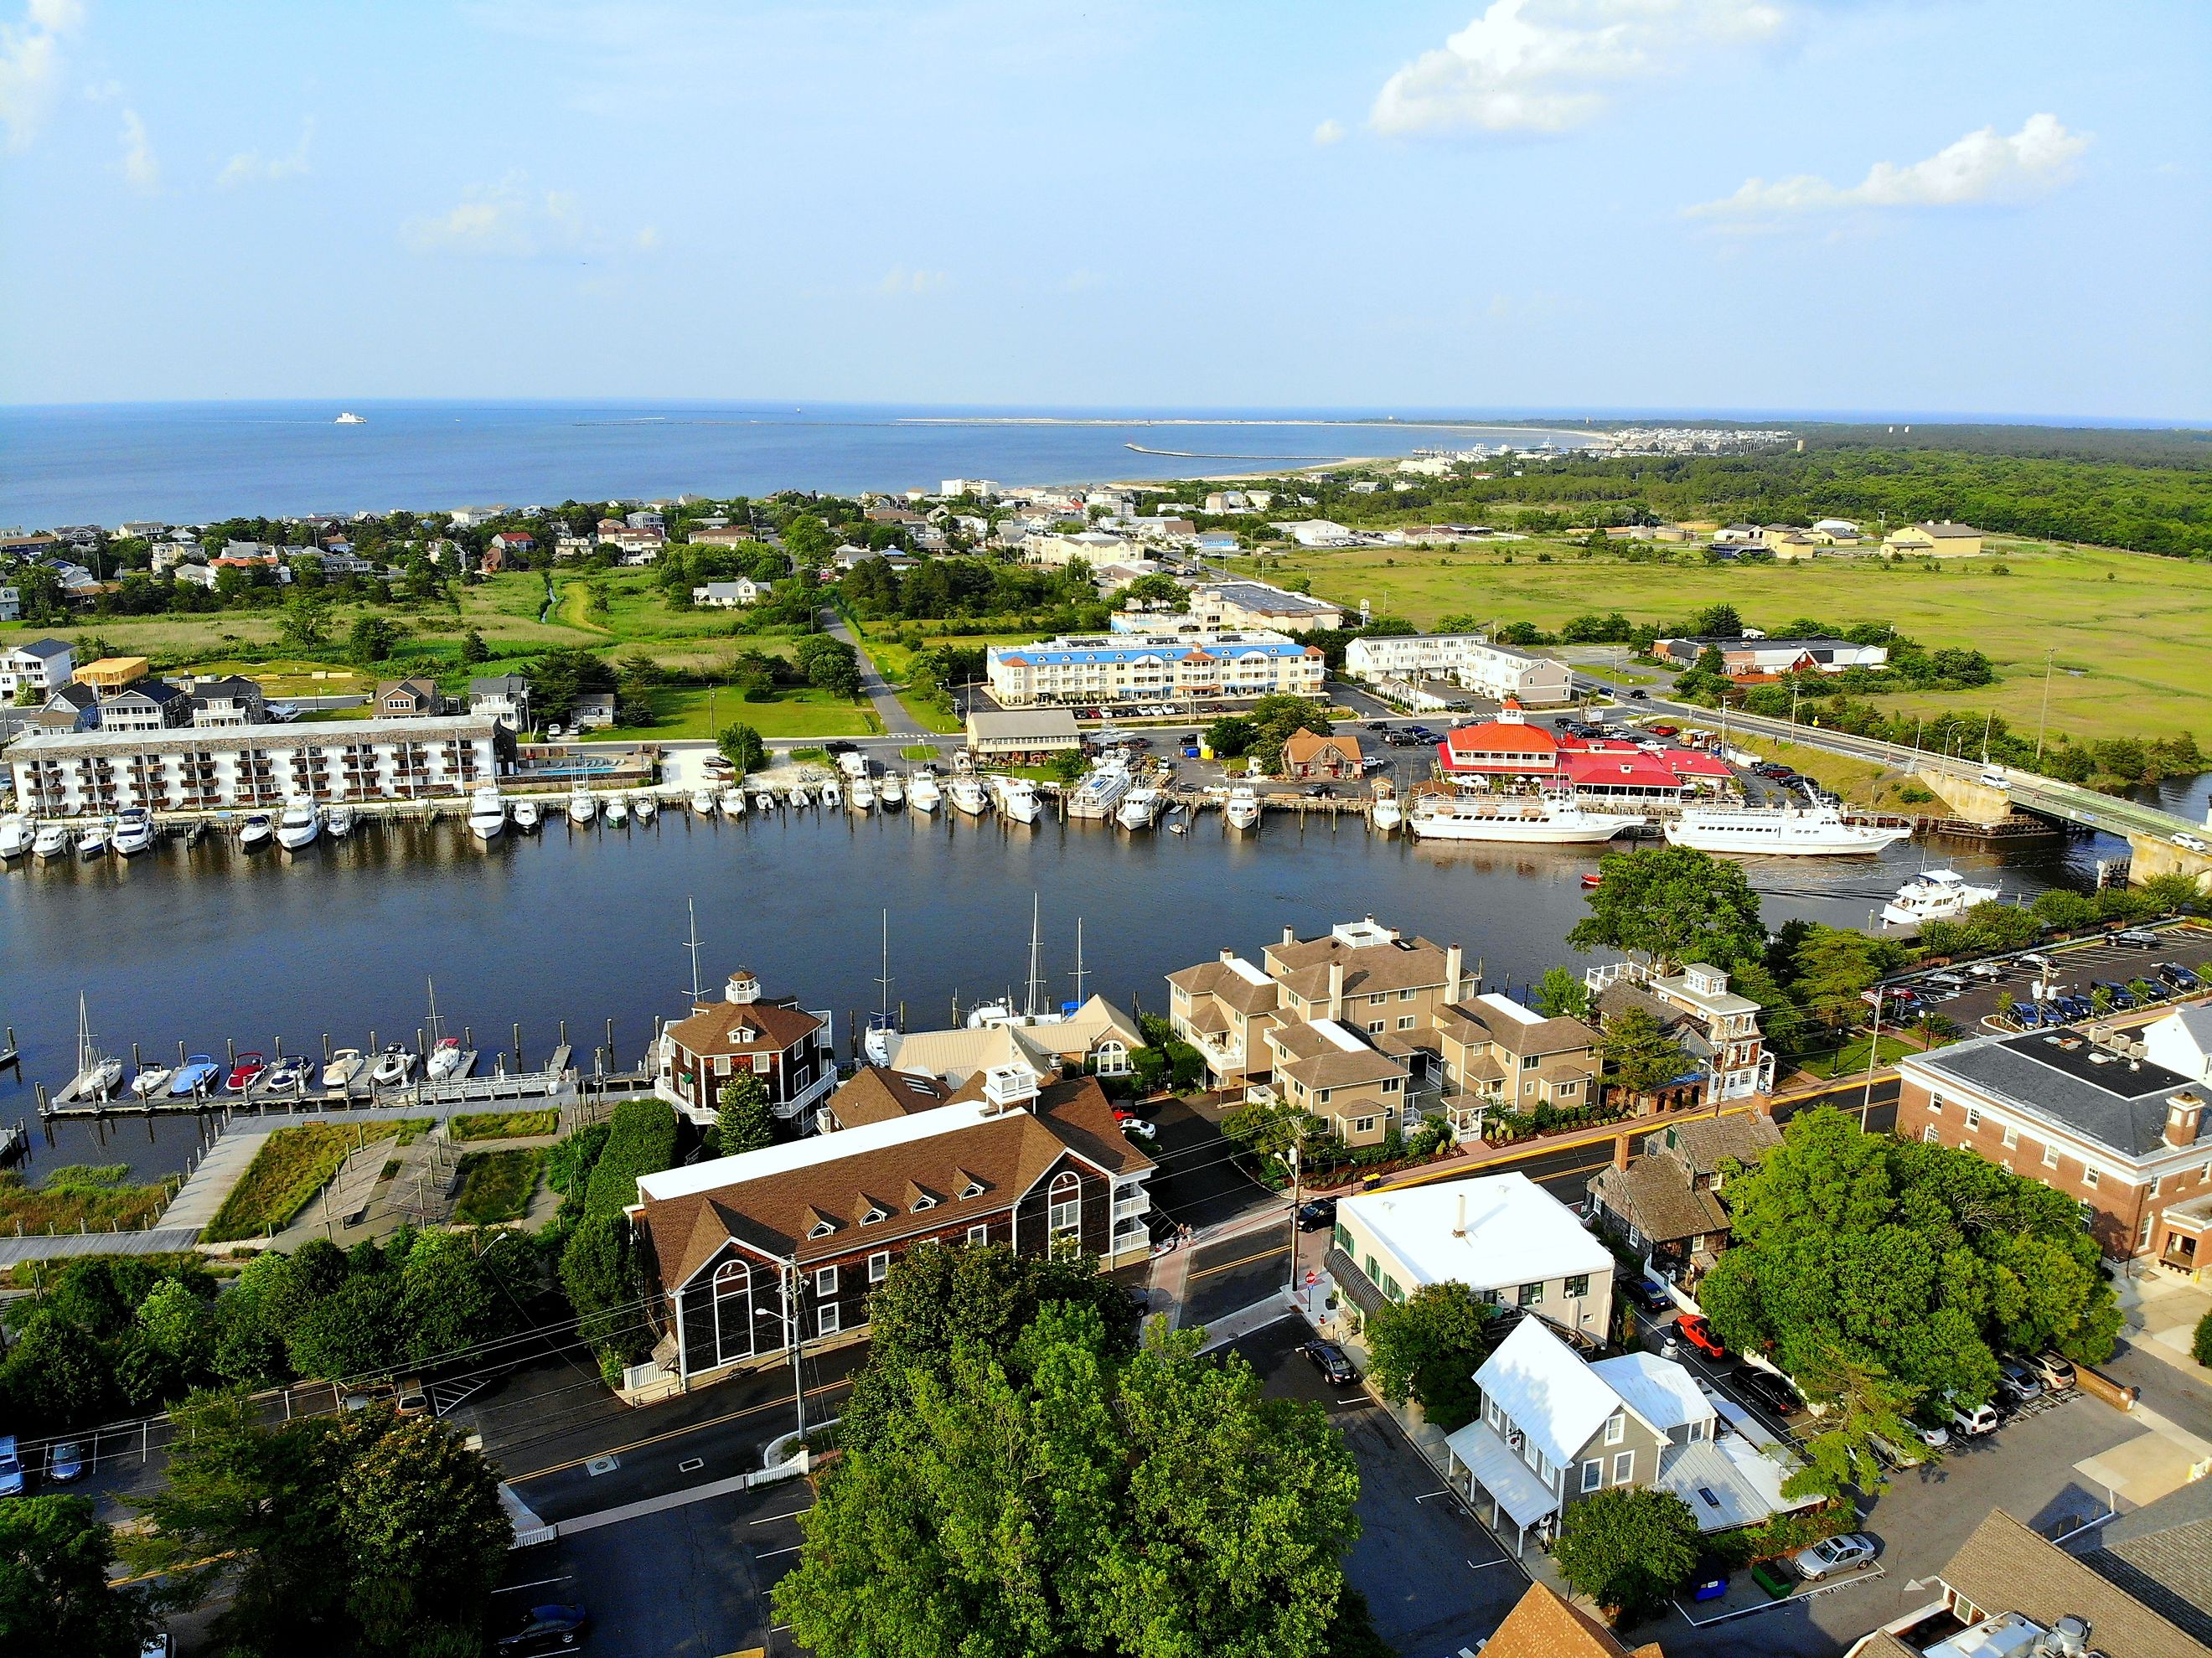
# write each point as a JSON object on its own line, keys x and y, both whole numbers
{"x": 898, "y": 722}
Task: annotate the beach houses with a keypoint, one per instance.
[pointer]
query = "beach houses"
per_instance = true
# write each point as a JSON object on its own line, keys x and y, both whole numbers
{"x": 40, "y": 666}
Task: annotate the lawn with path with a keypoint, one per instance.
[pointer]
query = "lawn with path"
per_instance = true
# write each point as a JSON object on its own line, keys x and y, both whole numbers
{"x": 292, "y": 1165}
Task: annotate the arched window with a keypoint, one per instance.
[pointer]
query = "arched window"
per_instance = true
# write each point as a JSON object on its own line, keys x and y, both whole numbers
{"x": 733, "y": 1312}
{"x": 1067, "y": 1198}
{"x": 1113, "y": 1058}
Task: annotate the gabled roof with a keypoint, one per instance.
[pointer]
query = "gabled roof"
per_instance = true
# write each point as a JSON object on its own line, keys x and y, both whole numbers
{"x": 43, "y": 648}
{"x": 2161, "y": 1554}
{"x": 1703, "y": 1142}
{"x": 1653, "y": 1195}
{"x": 1662, "y": 1392}
{"x": 2006, "y": 1567}
{"x": 1554, "y": 1398}
{"x": 713, "y": 1027}
{"x": 1236, "y": 983}
{"x": 1542, "y": 1625}
{"x": 1302, "y": 965}
{"x": 1517, "y": 1030}
{"x": 876, "y": 1094}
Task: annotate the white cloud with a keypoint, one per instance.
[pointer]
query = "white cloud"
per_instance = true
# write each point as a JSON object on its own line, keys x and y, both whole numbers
{"x": 141, "y": 171}
{"x": 1547, "y": 65}
{"x": 511, "y": 220}
{"x": 1329, "y": 132}
{"x": 1982, "y": 166}
{"x": 899, "y": 280}
{"x": 251, "y": 166}
{"x": 30, "y": 65}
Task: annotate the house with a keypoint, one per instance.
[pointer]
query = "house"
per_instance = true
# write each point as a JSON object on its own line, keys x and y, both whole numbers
{"x": 149, "y": 705}
{"x": 730, "y": 595}
{"x": 42, "y": 666}
{"x": 11, "y": 603}
{"x": 1094, "y": 1037}
{"x": 1504, "y": 1238}
{"x": 1667, "y": 1202}
{"x": 592, "y": 711}
{"x": 1307, "y": 757}
{"x": 70, "y": 707}
{"x": 1317, "y": 532}
{"x": 2010, "y": 1593}
{"x": 789, "y": 1049}
{"x": 981, "y": 489}
{"x": 408, "y": 699}
{"x": 645, "y": 518}
{"x": 1025, "y": 737}
{"x": 849, "y": 557}
{"x": 1933, "y": 540}
{"x": 1497, "y": 1053}
{"x": 1542, "y": 1625}
{"x": 1228, "y": 605}
{"x": 504, "y": 697}
{"x": 228, "y": 700}
{"x": 748, "y": 1254}
{"x": 1717, "y": 1028}
{"x": 112, "y": 674}
{"x": 1467, "y": 660}
{"x": 1093, "y": 547}
{"x": 1214, "y": 541}
{"x": 140, "y": 530}
{"x": 2128, "y": 1139}
{"x": 2161, "y": 1554}
{"x": 1330, "y": 1071}
{"x": 1222, "y": 1008}
{"x": 1748, "y": 658}
{"x": 2181, "y": 1042}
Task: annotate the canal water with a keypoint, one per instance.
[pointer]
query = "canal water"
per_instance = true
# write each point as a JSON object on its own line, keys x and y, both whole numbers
{"x": 207, "y": 944}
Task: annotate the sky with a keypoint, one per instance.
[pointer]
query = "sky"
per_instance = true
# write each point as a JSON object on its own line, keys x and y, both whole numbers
{"x": 1748, "y": 206}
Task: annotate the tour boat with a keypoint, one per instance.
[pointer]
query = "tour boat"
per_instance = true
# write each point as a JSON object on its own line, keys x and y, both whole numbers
{"x": 526, "y": 817}
{"x": 733, "y": 802}
{"x": 255, "y": 832}
{"x": 299, "y": 826}
{"x": 1539, "y": 819}
{"x": 1102, "y": 787}
{"x": 92, "y": 841}
{"x": 892, "y": 792}
{"x": 393, "y": 1066}
{"x": 582, "y": 809}
{"x": 343, "y": 1067}
{"x": 1935, "y": 895}
{"x": 337, "y": 823}
{"x": 1018, "y": 800}
{"x": 966, "y": 793}
{"x": 195, "y": 1076}
{"x": 134, "y": 831}
{"x": 51, "y": 842}
{"x": 646, "y": 808}
{"x": 487, "y": 815}
{"x": 617, "y": 812}
{"x": 1819, "y": 833}
{"x": 16, "y": 833}
{"x": 922, "y": 793}
{"x": 832, "y": 796}
{"x": 862, "y": 794}
{"x": 445, "y": 1059}
{"x": 702, "y": 802}
{"x": 150, "y": 1080}
{"x": 1138, "y": 808}
{"x": 1242, "y": 809}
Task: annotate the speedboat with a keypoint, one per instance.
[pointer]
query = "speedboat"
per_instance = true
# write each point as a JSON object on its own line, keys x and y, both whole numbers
{"x": 832, "y": 796}
{"x": 393, "y": 1066}
{"x": 702, "y": 802}
{"x": 134, "y": 831}
{"x": 92, "y": 842}
{"x": 195, "y": 1076}
{"x": 1139, "y": 807}
{"x": 51, "y": 842}
{"x": 151, "y": 1080}
{"x": 285, "y": 1074}
{"x": 797, "y": 796}
{"x": 487, "y": 815}
{"x": 893, "y": 792}
{"x": 1935, "y": 895}
{"x": 617, "y": 812}
{"x": 246, "y": 1071}
{"x": 299, "y": 826}
{"x": 733, "y": 802}
{"x": 764, "y": 799}
{"x": 582, "y": 809}
{"x": 445, "y": 1059}
{"x": 1820, "y": 833}
{"x": 922, "y": 793}
{"x": 526, "y": 817}
{"x": 255, "y": 832}
{"x": 344, "y": 1066}
{"x": 1018, "y": 800}
{"x": 646, "y": 808}
{"x": 1242, "y": 809}
{"x": 15, "y": 834}
{"x": 1387, "y": 814}
{"x": 967, "y": 795}
{"x": 337, "y": 823}
{"x": 863, "y": 794}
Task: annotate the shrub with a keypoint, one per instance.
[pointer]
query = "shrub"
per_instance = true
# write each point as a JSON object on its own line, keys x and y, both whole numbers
{"x": 640, "y": 1140}
{"x": 497, "y": 1185}
{"x": 2200, "y": 1348}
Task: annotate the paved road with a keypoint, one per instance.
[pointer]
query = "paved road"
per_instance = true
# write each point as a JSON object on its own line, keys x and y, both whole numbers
{"x": 898, "y": 722}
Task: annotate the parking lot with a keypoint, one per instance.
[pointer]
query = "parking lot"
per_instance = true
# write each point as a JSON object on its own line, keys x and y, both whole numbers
{"x": 1985, "y": 1001}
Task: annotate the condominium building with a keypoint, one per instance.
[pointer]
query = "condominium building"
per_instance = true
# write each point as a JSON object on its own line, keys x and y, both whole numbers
{"x": 1256, "y": 605}
{"x": 1468, "y": 660}
{"x": 1104, "y": 668}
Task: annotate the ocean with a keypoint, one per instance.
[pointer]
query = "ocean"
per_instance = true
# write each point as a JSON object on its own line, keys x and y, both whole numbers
{"x": 196, "y": 463}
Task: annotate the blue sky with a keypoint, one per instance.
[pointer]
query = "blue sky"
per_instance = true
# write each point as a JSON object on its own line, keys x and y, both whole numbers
{"x": 1749, "y": 205}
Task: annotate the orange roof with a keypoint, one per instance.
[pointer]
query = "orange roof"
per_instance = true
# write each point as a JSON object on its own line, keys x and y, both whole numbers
{"x": 1503, "y": 736}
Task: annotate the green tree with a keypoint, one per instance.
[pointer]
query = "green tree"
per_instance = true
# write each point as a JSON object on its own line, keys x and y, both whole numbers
{"x": 1675, "y": 905}
{"x": 1639, "y": 1055}
{"x": 1158, "y": 588}
{"x": 423, "y": 1530}
{"x": 306, "y": 620}
{"x": 601, "y": 1277}
{"x": 1628, "y": 1547}
{"x": 745, "y": 1123}
{"x": 1562, "y": 995}
{"x": 371, "y": 640}
{"x": 1231, "y": 736}
{"x": 2200, "y": 1344}
{"x": 742, "y": 747}
{"x": 55, "y": 1597}
{"x": 473, "y": 648}
{"x": 1275, "y": 720}
{"x": 1067, "y": 766}
{"x": 1428, "y": 1347}
{"x": 1831, "y": 968}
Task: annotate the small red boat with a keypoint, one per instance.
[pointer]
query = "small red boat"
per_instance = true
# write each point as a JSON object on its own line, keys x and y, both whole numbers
{"x": 1592, "y": 878}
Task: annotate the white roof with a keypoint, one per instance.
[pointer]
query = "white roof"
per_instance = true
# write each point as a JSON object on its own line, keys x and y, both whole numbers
{"x": 1551, "y": 1396}
{"x": 813, "y": 1149}
{"x": 955, "y": 1055}
{"x": 1337, "y": 1033}
{"x": 1511, "y": 1009}
{"x": 1510, "y": 1231}
{"x": 1662, "y": 1392}
{"x": 1502, "y": 1475}
{"x": 1244, "y": 970}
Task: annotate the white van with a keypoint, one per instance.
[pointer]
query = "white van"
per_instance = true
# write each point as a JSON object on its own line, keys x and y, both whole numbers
{"x": 1974, "y": 1419}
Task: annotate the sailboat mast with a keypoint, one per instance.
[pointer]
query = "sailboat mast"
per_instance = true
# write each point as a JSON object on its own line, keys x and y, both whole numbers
{"x": 884, "y": 979}
{"x": 1079, "y": 960}
{"x": 1030, "y": 993}
{"x": 698, "y": 991}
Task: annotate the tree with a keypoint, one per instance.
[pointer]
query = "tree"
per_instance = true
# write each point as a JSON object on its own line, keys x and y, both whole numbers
{"x": 420, "y": 1518}
{"x": 1275, "y": 720}
{"x": 1831, "y": 968}
{"x": 54, "y": 1592}
{"x": 745, "y": 1122}
{"x": 371, "y": 640}
{"x": 2200, "y": 1344}
{"x": 1675, "y": 905}
{"x": 600, "y": 1275}
{"x": 1639, "y": 1054}
{"x": 1231, "y": 736}
{"x": 1561, "y": 995}
{"x": 1158, "y": 588}
{"x": 473, "y": 648}
{"x": 1629, "y": 1547}
{"x": 305, "y": 622}
{"x": 1718, "y": 622}
{"x": 1066, "y": 766}
{"x": 1429, "y": 1347}
{"x": 742, "y": 747}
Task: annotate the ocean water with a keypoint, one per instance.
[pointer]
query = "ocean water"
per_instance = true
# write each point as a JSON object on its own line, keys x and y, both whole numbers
{"x": 194, "y": 463}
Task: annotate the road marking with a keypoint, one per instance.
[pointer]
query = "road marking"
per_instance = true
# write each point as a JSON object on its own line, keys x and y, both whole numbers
{"x": 536, "y": 1583}
{"x": 771, "y": 1519}
{"x": 1487, "y": 1564}
{"x": 691, "y": 1465}
{"x": 597, "y": 1466}
{"x": 1442, "y": 1491}
{"x": 1231, "y": 1266}
{"x": 770, "y": 1554}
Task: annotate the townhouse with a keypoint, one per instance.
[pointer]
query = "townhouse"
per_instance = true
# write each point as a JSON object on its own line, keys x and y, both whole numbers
{"x": 1148, "y": 668}
{"x": 1497, "y": 1053}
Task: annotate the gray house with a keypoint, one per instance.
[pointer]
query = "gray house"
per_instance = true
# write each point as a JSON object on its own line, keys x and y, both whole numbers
{"x": 505, "y": 697}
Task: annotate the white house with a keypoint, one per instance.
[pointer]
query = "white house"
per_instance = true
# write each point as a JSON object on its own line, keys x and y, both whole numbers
{"x": 2182, "y": 1041}
{"x": 1318, "y": 533}
{"x": 1468, "y": 660}
{"x": 730, "y": 595}
{"x": 44, "y": 665}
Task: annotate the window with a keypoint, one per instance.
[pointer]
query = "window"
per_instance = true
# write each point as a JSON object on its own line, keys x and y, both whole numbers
{"x": 1973, "y": 1116}
{"x": 2011, "y": 1136}
{"x": 1113, "y": 1058}
{"x": 1928, "y": 1135}
{"x": 1405, "y": 1021}
{"x": 1362, "y": 1126}
{"x": 1578, "y": 1287}
{"x": 1593, "y": 1473}
{"x": 1568, "y": 1090}
{"x": 825, "y": 1281}
{"x": 924, "y": 1201}
{"x": 2143, "y": 1239}
{"x": 1390, "y": 1288}
{"x": 1374, "y": 1271}
{"x": 880, "y": 1266}
{"x": 1325, "y": 1094}
{"x": 1392, "y": 1084}
{"x": 1531, "y": 1294}
{"x": 1375, "y": 1026}
{"x": 1528, "y": 1061}
{"x": 1935, "y": 1103}
{"x": 2089, "y": 1177}
{"x": 826, "y": 1319}
{"x": 875, "y": 1214}
{"x": 2154, "y": 1186}
{"x": 1378, "y": 998}
{"x": 1616, "y": 1428}
{"x": 2050, "y": 1156}
{"x": 978, "y": 1233}
{"x": 1623, "y": 1468}
{"x": 1065, "y": 1219}
{"x": 1403, "y": 995}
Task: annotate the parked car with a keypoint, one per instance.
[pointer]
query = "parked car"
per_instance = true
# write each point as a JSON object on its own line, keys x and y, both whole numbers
{"x": 2040, "y": 963}
{"x": 1763, "y": 1387}
{"x": 2074, "y": 1007}
{"x": 1693, "y": 1329}
{"x": 409, "y": 1398}
{"x": 1657, "y": 730}
{"x": 2141, "y": 937}
{"x": 1328, "y": 1359}
{"x": 2178, "y": 977}
{"x": 1321, "y": 792}
{"x": 64, "y": 1463}
{"x": 1833, "y": 1554}
{"x": 1317, "y": 1216}
{"x": 2055, "y": 1370}
{"x": 11, "y": 1468}
{"x": 1647, "y": 1296}
{"x": 2016, "y": 1382}
{"x": 544, "y": 1629}
{"x": 2123, "y": 999}
{"x": 1973, "y": 1419}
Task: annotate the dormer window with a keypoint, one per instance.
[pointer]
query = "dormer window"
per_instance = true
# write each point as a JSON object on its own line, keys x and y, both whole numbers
{"x": 821, "y": 1229}
{"x": 924, "y": 1201}
{"x": 972, "y": 1190}
{"x": 875, "y": 1213}
{"x": 741, "y": 1034}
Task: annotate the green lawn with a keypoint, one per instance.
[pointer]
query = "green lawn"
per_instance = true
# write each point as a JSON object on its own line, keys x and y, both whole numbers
{"x": 292, "y": 1165}
{"x": 1851, "y": 1062}
{"x": 687, "y": 712}
{"x": 503, "y": 1125}
{"x": 497, "y": 1185}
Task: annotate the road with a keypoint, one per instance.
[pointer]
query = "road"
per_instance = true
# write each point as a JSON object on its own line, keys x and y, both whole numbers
{"x": 898, "y": 722}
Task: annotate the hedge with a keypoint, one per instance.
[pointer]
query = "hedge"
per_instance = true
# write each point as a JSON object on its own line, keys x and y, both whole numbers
{"x": 640, "y": 1140}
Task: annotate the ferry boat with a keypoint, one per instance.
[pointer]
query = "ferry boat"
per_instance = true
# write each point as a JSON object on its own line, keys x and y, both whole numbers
{"x": 255, "y": 832}
{"x": 1242, "y": 809}
{"x": 528, "y": 816}
{"x": 1102, "y": 788}
{"x": 299, "y": 826}
{"x": 487, "y": 815}
{"x": 134, "y": 831}
{"x": 1138, "y": 808}
{"x": 337, "y": 823}
{"x": 15, "y": 834}
{"x": 1770, "y": 830}
{"x": 1537, "y": 819}
{"x": 967, "y": 795}
{"x": 923, "y": 793}
{"x": 1018, "y": 801}
{"x": 52, "y": 841}
{"x": 1935, "y": 895}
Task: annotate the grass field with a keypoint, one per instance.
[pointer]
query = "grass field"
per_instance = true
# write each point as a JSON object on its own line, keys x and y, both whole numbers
{"x": 497, "y": 1185}
{"x": 1860, "y": 783}
{"x": 689, "y": 712}
{"x": 292, "y": 1165}
{"x": 503, "y": 1125}
{"x": 2125, "y": 631}
{"x": 75, "y": 1196}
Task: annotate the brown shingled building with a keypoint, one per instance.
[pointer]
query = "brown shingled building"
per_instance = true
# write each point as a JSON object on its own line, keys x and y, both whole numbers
{"x": 773, "y": 1039}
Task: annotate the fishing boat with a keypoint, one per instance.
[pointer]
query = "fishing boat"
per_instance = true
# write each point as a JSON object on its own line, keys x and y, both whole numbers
{"x": 764, "y": 799}
{"x": 1139, "y": 808}
{"x": 1537, "y": 819}
{"x": 487, "y": 815}
{"x": 134, "y": 831}
{"x": 255, "y": 832}
{"x": 1102, "y": 787}
{"x": 617, "y": 812}
{"x": 797, "y": 796}
{"x": 703, "y": 803}
{"x": 854, "y": 764}
{"x": 393, "y": 1066}
{"x": 526, "y": 817}
{"x": 645, "y": 808}
{"x": 1018, "y": 801}
{"x": 337, "y": 823}
{"x": 1935, "y": 895}
{"x": 92, "y": 840}
{"x": 197, "y": 1075}
{"x": 967, "y": 795}
{"x": 16, "y": 833}
{"x": 923, "y": 793}
{"x": 51, "y": 842}
{"x": 892, "y": 793}
{"x": 151, "y": 1080}
{"x": 862, "y": 794}
{"x": 1242, "y": 809}
{"x": 1386, "y": 814}
{"x": 97, "y": 1074}
{"x": 1821, "y": 832}
{"x": 832, "y": 796}
{"x": 582, "y": 809}
{"x": 299, "y": 826}
{"x": 343, "y": 1067}
{"x": 733, "y": 802}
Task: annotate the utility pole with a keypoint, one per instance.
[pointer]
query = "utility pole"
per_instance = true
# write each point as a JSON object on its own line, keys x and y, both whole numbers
{"x": 1293, "y": 1286}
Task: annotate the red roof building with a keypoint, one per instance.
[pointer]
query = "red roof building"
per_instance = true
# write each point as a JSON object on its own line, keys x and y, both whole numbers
{"x": 1507, "y": 746}
{"x": 1628, "y": 773}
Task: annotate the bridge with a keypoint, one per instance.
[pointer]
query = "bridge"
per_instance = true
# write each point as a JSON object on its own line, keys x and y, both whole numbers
{"x": 2148, "y": 831}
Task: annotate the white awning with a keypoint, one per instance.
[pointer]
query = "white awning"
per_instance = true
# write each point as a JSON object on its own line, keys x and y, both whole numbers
{"x": 1508, "y": 1479}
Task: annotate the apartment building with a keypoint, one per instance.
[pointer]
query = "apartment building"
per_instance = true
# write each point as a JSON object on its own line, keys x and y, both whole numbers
{"x": 1497, "y": 1053}
{"x": 1228, "y": 605}
{"x": 1467, "y": 660}
{"x": 1118, "y": 668}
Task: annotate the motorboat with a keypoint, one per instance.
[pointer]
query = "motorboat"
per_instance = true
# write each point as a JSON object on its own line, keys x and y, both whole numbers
{"x": 1592, "y": 879}
{"x": 92, "y": 840}
{"x": 617, "y": 812}
{"x": 526, "y": 817}
{"x": 16, "y": 833}
{"x": 393, "y": 1066}
{"x": 1821, "y": 832}
{"x": 337, "y": 823}
{"x": 134, "y": 831}
{"x": 1139, "y": 809}
{"x": 246, "y": 1071}
{"x": 487, "y": 815}
{"x": 765, "y": 799}
{"x": 1018, "y": 800}
{"x": 1539, "y": 819}
{"x": 582, "y": 809}
{"x": 286, "y": 1072}
{"x": 299, "y": 826}
{"x": 797, "y": 796}
{"x": 854, "y": 764}
{"x": 733, "y": 802}
{"x": 702, "y": 802}
{"x": 151, "y": 1080}
{"x": 832, "y": 796}
{"x": 255, "y": 832}
{"x": 862, "y": 794}
{"x": 1386, "y": 814}
{"x": 445, "y": 1059}
{"x": 52, "y": 841}
{"x": 343, "y": 1067}
{"x": 1102, "y": 787}
{"x": 1935, "y": 895}
{"x": 1242, "y": 808}
{"x": 892, "y": 793}
{"x": 967, "y": 795}
{"x": 197, "y": 1075}
{"x": 923, "y": 793}
{"x": 646, "y": 808}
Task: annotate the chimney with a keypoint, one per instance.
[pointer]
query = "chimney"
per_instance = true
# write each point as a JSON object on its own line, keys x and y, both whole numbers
{"x": 1335, "y": 988}
{"x": 1228, "y": 954}
{"x": 1459, "y": 1226}
{"x": 2182, "y": 1113}
{"x": 1289, "y": 935}
{"x": 1455, "y": 966}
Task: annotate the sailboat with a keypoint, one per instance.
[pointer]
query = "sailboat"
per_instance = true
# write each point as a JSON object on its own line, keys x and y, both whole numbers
{"x": 1003, "y": 1013}
{"x": 96, "y": 1073}
{"x": 445, "y": 1055}
{"x": 883, "y": 1025}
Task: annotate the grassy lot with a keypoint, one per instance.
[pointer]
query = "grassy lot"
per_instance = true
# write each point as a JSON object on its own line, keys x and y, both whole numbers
{"x": 497, "y": 1185}
{"x": 503, "y": 1125}
{"x": 292, "y": 1166}
{"x": 684, "y": 711}
{"x": 78, "y": 1195}
{"x": 1850, "y": 1060}
{"x": 1861, "y": 782}
{"x": 2126, "y": 628}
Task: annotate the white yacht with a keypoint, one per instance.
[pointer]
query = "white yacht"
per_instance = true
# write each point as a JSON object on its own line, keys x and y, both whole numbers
{"x": 923, "y": 793}
{"x": 1386, "y": 814}
{"x": 1533, "y": 818}
{"x": 582, "y": 809}
{"x": 966, "y": 793}
{"x": 702, "y": 802}
{"x": 862, "y": 794}
{"x": 299, "y": 825}
{"x": 52, "y": 841}
{"x": 97, "y": 1074}
{"x": 337, "y": 823}
{"x": 134, "y": 831}
{"x": 1935, "y": 895}
{"x": 854, "y": 764}
{"x": 15, "y": 835}
{"x": 733, "y": 801}
{"x": 1102, "y": 787}
{"x": 92, "y": 840}
{"x": 445, "y": 1059}
{"x": 1770, "y": 830}
{"x": 256, "y": 831}
{"x": 892, "y": 792}
{"x": 1139, "y": 808}
{"x": 349, "y": 418}
{"x": 1242, "y": 809}
{"x": 487, "y": 815}
{"x": 1018, "y": 800}
{"x": 526, "y": 817}
{"x": 617, "y": 812}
